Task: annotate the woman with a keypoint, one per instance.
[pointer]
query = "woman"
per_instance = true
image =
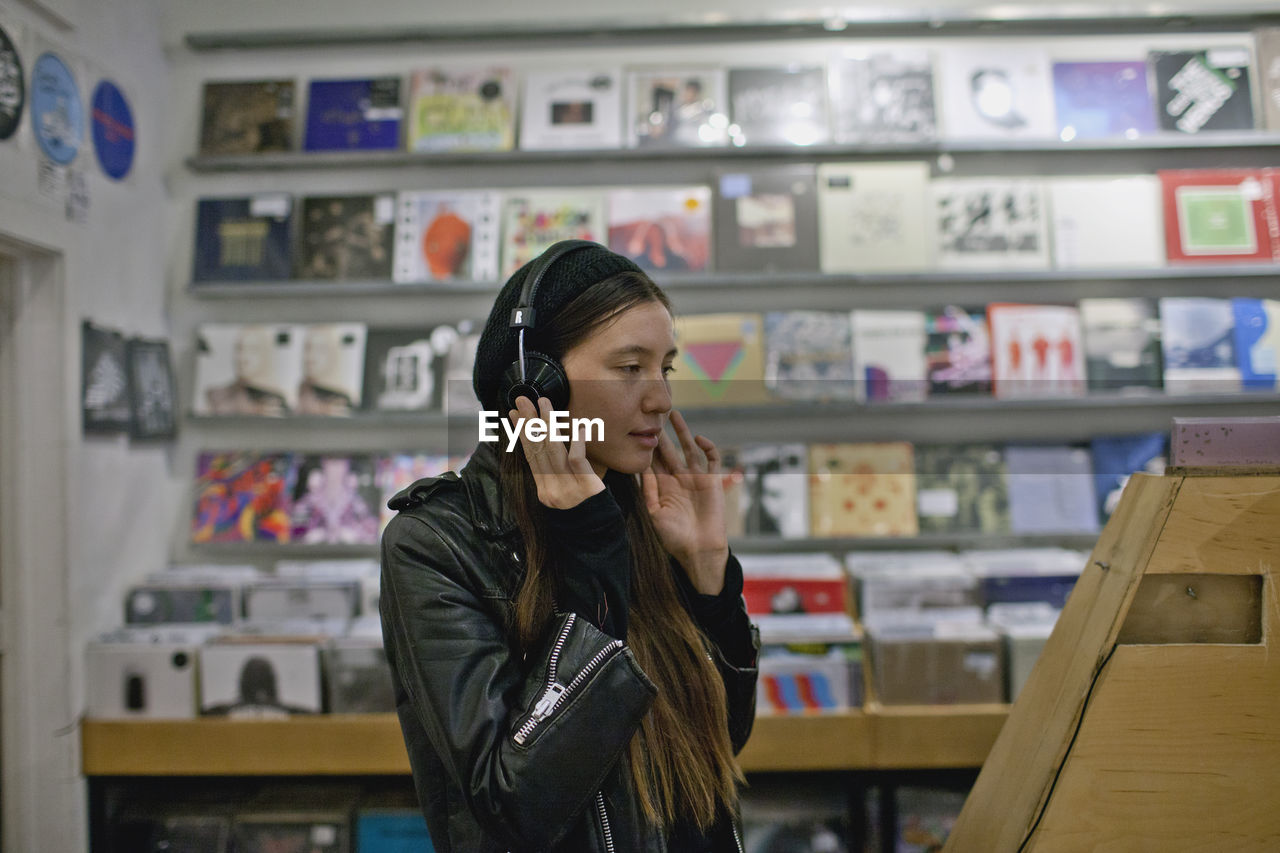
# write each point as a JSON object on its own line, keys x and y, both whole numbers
{"x": 574, "y": 668}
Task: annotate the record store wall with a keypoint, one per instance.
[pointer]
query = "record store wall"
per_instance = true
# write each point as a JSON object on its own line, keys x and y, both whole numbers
{"x": 109, "y": 238}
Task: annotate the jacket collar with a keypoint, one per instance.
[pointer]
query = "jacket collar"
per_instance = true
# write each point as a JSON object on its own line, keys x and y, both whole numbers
{"x": 481, "y": 479}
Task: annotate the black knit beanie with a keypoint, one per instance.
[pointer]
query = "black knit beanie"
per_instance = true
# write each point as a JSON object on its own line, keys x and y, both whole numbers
{"x": 567, "y": 278}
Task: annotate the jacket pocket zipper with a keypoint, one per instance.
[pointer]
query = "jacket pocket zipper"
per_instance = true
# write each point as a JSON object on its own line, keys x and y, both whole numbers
{"x": 604, "y": 822}
{"x": 555, "y": 692}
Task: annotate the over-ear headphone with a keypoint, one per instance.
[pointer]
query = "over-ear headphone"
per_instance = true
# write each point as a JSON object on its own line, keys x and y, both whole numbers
{"x": 534, "y": 374}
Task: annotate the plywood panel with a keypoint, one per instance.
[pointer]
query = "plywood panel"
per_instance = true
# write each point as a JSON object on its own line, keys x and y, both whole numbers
{"x": 1229, "y": 525}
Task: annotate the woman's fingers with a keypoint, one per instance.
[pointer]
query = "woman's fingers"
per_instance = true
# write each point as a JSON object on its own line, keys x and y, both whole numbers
{"x": 692, "y": 458}
{"x": 649, "y": 488}
{"x": 713, "y": 453}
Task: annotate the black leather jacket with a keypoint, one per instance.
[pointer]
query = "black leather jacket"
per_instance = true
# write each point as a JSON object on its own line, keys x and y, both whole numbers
{"x": 501, "y": 759}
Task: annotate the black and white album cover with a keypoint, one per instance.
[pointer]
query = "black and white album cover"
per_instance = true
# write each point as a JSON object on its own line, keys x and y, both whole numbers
{"x": 786, "y": 105}
{"x": 404, "y": 368}
{"x": 152, "y": 393}
{"x": 104, "y": 380}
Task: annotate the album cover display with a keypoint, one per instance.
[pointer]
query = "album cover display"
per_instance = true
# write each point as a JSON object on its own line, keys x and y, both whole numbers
{"x": 1099, "y": 100}
{"x": 346, "y": 237}
{"x": 361, "y": 114}
{"x": 766, "y": 219}
{"x": 534, "y": 219}
{"x": 398, "y": 471}
{"x": 332, "y": 369}
{"x": 994, "y": 91}
{"x": 885, "y": 97}
{"x": 152, "y": 676}
{"x": 774, "y": 496}
{"x": 335, "y": 501}
{"x": 571, "y": 109}
{"x": 1121, "y": 343}
{"x": 248, "y": 369}
{"x": 462, "y": 109}
{"x": 677, "y": 108}
{"x": 1257, "y": 341}
{"x": 1221, "y": 215}
{"x": 258, "y": 677}
{"x": 990, "y": 223}
{"x": 247, "y": 117}
{"x": 663, "y": 229}
{"x": 961, "y": 488}
{"x": 1267, "y": 44}
{"x": 1107, "y": 222}
{"x": 720, "y": 361}
{"x": 784, "y": 105}
{"x": 1203, "y": 89}
{"x": 957, "y": 351}
{"x": 458, "y": 343}
{"x": 873, "y": 217}
{"x": 184, "y": 603}
{"x": 1051, "y": 489}
{"x": 404, "y": 369}
{"x": 866, "y": 489}
{"x": 889, "y": 355}
{"x": 243, "y": 497}
{"x": 1116, "y": 458}
{"x": 104, "y": 380}
{"x": 243, "y": 239}
{"x": 1197, "y": 340}
{"x": 153, "y": 398}
{"x": 809, "y": 355}
{"x": 446, "y": 236}
{"x": 1036, "y": 350}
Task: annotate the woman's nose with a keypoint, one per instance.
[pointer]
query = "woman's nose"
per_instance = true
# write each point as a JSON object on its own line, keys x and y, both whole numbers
{"x": 657, "y": 396}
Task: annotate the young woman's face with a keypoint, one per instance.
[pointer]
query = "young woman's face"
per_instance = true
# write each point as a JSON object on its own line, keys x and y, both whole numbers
{"x": 618, "y": 374}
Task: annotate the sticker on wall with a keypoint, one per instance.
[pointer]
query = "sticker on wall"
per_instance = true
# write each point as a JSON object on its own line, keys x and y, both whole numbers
{"x": 112, "y": 123}
{"x": 13, "y": 89}
{"x": 57, "y": 116}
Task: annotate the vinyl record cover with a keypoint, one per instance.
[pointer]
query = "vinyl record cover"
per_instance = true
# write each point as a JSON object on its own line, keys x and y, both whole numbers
{"x": 404, "y": 368}
{"x": 889, "y": 355}
{"x": 1257, "y": 341}
{"x": 13, "y": 89}
{"x": 153, "y": 400}
{"x": 534, "y": 219}
{"x": 1121, "y": 343}
{"x": 347, "y": 237}
{"x": 886, "y": 97}
{"x": 247, "y": 117}
{"x": 362, "y": 114}
{"x": 1267, "y": 40}
{"x": 766, "y": 219}
{"x": 462, "y": 109}
{"x": 1203, "y": 89}
{"x": 663, "y": 229}
{"x": 1099, "y": 100}
{"x": 243, "y": 239}
{"x": 990, "y": 223}
{"x": 864, "y": 489}
{"x": 243, "y": 497}
{"x": 957, "y": 351}
{"x": 332, "y": 369}
{"x": 995, "y": 91}
{"x": 783, "y": 105}
{"x": 398, "y": 471}
{"x": 247, "y": 369}
{"x": 961, "y": 488}
{"x": 571, "y": 109}
{"x": 1051, "y": 489}
{"x": 809, "y": 355}
{"x": 447, "y": 236}
{"x": 775, "y": 490}
{"x": 1116, "y": 458}
{"x": 873, "y": 217}
{"x": 1107, "y": 222}
{"x": 721, "y": 361}
{"x": 1218, "y": 215}
{"x": 459, "y": 345}
{"x": 326, "y": 833}
{"x": 335, "y": 501}
{"x": 1036, "y": 350}
{"x": 104, "y": 380}
{"x": 1197, "y": 339}
{"x": 677, "y": 108}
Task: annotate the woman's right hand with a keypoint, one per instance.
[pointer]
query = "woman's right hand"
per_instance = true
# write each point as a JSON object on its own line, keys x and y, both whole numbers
{"x": 561, "y": 471}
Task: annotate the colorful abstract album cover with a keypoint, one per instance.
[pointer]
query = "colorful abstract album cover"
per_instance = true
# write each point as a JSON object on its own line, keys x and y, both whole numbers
{"x": 335, "y": 501}
{"x": 243, "y": 497}
{"x": 461, "y": 109}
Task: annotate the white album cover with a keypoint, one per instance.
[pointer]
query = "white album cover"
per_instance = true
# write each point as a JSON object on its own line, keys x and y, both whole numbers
{"x": 247, "y": 369}
{"x": 571, "y": 109}
{"x": 995, "y": 91}
{"x": 990, "y": 223}
{"x": 873, "y": 217}
{"x": 1107, "y": 222}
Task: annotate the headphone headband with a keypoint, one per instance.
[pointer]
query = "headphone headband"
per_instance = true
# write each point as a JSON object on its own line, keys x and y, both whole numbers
{"x": 523, "y": 315}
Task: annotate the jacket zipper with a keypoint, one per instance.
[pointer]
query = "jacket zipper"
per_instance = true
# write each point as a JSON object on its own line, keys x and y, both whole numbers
{"x": 604, "y": 822}
{"x": 737, "y": 839}
{"x": 555, "y": 692}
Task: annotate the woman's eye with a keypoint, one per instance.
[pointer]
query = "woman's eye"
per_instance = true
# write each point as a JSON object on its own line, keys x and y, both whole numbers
{"x": 630, "y": 368}
{"x": 668, "y": 370}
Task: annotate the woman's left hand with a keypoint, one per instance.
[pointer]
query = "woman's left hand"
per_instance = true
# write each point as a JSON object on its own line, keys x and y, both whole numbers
{"x": 685, "y": 499}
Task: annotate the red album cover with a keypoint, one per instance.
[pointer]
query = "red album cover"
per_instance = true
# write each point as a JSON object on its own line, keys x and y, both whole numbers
{"x": 766, "y": 595}
{"x": 1220, "y": 215}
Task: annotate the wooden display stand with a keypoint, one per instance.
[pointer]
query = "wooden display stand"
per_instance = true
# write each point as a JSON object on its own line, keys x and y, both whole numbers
{"x": 1152, "y": 719}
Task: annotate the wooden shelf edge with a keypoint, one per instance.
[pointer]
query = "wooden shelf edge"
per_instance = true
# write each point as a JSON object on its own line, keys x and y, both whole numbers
{"x": 371, "y": 744}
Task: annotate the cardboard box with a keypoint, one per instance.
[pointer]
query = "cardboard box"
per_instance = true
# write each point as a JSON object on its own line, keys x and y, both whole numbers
{"x": 941, "y": 664}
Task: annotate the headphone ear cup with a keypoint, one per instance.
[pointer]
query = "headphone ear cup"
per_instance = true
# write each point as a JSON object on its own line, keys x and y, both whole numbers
{"x": 544, "y": 377}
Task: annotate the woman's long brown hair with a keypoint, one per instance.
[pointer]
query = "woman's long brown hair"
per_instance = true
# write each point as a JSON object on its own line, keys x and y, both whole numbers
{"x": 681, "y": 760}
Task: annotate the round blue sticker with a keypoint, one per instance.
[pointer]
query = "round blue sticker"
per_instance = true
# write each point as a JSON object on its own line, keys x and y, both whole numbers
{"x": 57, "y": 117}
{"x": 13, "y": 91}
{"x": 112, "y": 124}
